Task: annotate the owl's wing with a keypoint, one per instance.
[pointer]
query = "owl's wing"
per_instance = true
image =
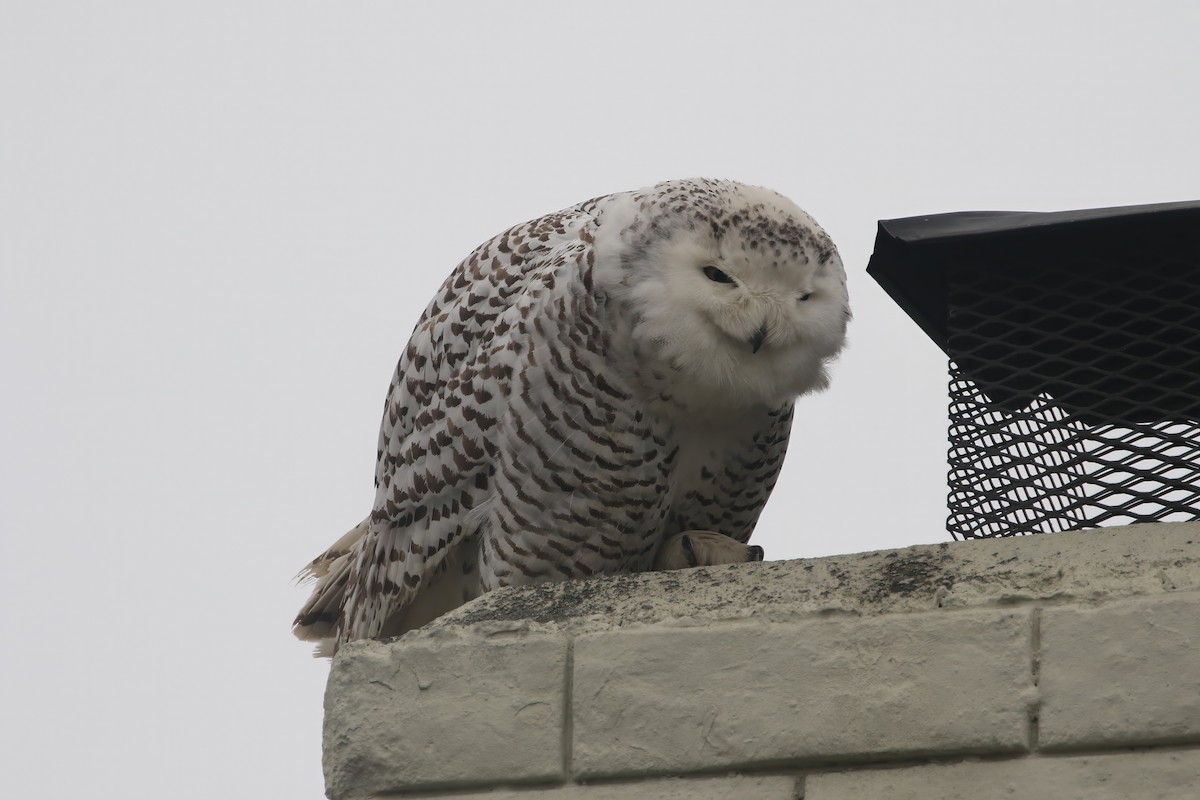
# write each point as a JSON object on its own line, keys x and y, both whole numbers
{"x": 734, "y": 481}
{"x": 435, "y": 455}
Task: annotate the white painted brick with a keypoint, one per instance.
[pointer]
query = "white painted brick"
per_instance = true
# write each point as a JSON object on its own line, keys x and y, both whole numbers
{"x": 775, "y": 787}
{"x": 668, "y": 700}
{"x": 444, "y": 712}
{"x": 1152, "y": 775}
{"x": 1127, "y": 673}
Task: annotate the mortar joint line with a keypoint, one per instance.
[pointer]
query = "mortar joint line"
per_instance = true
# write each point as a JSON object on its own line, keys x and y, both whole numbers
{"x": 568, "y": 740}
{"x": 1035, "y": 668}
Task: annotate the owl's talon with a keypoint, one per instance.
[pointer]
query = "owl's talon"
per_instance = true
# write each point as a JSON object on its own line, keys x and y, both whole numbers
{"x": 689, "y": 552}
{"x": 704, "y": 549}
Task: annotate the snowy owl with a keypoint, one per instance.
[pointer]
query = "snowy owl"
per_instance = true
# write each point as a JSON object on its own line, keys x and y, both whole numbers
{"x": 583, "y": 391}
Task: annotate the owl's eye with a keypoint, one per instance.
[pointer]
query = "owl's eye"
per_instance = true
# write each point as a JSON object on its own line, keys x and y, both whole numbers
{"x": 716, "y": 275}
{"x": 804, "y": 296}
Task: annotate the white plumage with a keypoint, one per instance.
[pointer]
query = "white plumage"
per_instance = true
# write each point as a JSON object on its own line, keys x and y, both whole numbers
{"x": 583, "y": 388}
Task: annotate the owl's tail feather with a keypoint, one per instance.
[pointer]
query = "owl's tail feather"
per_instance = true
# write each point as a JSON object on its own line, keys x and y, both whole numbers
{"x": 318, "y": 619}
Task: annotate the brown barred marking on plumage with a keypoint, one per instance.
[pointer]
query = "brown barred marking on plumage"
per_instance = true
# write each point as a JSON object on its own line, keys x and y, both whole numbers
{"x": 578, "y": 392}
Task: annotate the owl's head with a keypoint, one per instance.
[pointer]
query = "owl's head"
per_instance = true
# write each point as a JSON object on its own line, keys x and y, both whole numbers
{"x": 736, "y": 295}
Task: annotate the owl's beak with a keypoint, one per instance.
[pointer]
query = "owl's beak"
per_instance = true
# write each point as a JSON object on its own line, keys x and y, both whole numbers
{"x": 760, "y": 336}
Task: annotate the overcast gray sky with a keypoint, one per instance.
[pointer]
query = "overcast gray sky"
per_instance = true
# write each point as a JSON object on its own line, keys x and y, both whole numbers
{"x": 219, "y": 221}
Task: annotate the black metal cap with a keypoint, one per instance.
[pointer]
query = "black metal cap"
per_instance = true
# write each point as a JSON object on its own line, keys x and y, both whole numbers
{"x": 1098, "y": 309}
{"x": 915, "y": 256}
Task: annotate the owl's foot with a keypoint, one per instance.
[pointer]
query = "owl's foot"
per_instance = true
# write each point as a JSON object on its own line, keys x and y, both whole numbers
{"x": 704, "y": 549}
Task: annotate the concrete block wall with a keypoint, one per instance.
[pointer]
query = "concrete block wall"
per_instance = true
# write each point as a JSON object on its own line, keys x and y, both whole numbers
{"x": 1055, "y": 666}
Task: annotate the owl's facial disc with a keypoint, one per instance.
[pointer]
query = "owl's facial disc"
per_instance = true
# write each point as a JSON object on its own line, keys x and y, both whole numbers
{"x": 759, "y": 304}
{"x": 740, "y": 302}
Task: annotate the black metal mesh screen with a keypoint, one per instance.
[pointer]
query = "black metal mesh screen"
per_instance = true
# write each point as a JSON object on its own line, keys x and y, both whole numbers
{"x": 1074, "y": 391}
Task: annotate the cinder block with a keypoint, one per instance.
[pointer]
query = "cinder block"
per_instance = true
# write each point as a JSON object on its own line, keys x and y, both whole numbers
{"x": 654, "y": 701}
{"x": 1127, "y": 673}
{"x": 444, "y": 712}
{"x": 1144, "y": 776}
{"x": 775, "y": 787}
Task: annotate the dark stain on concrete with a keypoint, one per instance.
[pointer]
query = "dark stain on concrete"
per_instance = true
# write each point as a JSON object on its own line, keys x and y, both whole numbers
{"x": 904, "y": 575}
{"x": 559, "y": 602}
